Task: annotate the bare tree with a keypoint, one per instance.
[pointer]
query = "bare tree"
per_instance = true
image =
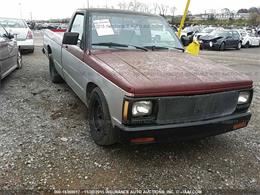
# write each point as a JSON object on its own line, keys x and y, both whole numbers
{"x": 155, "y": 8}
{"x": 122, "y": 5}
{"x": 134, "y": 5}
{"x": 173, "y": 10}
{"x": 163, "y": 9}
{"x": 144, "y": 8}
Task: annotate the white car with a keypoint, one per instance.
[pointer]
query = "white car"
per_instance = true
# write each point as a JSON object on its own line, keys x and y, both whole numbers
{"x": 19, "y": 28}
{"x": 249, "y": 39}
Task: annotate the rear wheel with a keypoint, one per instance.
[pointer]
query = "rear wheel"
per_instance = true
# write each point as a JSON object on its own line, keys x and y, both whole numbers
{"x": 222, "y": 46}
{"x": 54, "y": 75}
{"x": 101, "y": 128}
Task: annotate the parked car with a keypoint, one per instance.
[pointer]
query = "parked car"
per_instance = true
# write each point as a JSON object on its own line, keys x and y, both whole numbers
{"x": 221, "y": 40}
{"x": 140, "y": 88}
{"x": 10, "y": 56}
{"x": 249, "y": 39}
{"x": 19, "y": 28}
{"x": 206, "y": 31}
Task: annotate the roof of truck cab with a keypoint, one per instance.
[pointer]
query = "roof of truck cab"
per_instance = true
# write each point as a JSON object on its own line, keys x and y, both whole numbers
{"x": 104, "y": 10}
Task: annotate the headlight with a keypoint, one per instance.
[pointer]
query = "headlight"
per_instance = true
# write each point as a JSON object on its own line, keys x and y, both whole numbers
{"x": 210, "y": 44}
{"x": 243, "y": 97}
{"x": 142, "y": 108}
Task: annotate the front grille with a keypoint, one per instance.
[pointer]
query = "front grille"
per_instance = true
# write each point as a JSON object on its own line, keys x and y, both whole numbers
{"x": 182, "y": 109}
{"x": 205, "y": 41}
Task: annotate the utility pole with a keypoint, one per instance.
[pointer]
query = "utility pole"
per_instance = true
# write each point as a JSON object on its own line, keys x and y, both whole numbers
{"x": 88, "y": 4}
{"x": 183, "y": 18}
{"x": 20, "y": 7}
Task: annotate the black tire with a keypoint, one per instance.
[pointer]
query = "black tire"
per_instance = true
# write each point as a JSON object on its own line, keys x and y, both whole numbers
{"x": 19, "y": 60}
{"x": 101, "y": 128}
{"x": 222, "y": 46}
{"x": 54, "y": 75}
{"x": 239, "y": 45}
{"x": 247, "y": 45}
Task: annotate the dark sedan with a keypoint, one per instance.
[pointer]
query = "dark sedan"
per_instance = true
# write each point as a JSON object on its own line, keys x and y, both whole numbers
{"x": 10, "y": 56}
{"x": 221, "y": 40}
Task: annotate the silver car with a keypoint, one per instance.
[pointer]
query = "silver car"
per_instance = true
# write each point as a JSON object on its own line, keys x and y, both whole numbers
{"x": 10, "y": 55}
{"x": 19, "y": 28}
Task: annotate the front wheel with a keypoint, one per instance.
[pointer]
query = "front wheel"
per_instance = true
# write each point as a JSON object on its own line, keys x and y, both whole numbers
{"x": 222, "y": 46}
{"x": 101, "y": 128}
{"x": 239, "y": 45}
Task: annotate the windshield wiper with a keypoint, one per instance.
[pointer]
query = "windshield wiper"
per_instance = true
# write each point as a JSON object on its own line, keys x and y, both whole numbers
{"x": 154, "y": 47}
{"x": 112, "y": 44}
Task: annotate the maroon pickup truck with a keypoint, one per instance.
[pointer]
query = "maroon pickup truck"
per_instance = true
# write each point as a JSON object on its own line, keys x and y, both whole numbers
{"x": 139, "y": 85}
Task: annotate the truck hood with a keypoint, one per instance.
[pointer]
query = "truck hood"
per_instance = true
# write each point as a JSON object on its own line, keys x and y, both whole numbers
{"x": 210, "y": 37}
{"x": 170, "y": 73}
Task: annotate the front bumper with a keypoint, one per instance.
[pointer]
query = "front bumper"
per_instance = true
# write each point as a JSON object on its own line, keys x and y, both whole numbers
{"x": 27, "y": 44}
{"x": 184, "y": 131}
{"x": 208, "y": 46}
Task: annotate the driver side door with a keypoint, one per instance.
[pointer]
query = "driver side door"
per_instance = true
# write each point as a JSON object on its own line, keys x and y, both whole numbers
{"x": 229, "y": 40}
{"x": 73, "y": 57}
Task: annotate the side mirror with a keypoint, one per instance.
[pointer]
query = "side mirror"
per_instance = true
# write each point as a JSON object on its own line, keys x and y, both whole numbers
{"x": 70, "y": 38}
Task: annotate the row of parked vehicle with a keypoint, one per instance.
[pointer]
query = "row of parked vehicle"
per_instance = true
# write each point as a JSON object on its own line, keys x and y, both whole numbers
{"x": 219, "y": 38}
{"x": 57, "y": 27}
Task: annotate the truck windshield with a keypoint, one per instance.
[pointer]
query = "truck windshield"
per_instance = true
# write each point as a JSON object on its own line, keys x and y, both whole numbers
{"x": 138, "y": 31}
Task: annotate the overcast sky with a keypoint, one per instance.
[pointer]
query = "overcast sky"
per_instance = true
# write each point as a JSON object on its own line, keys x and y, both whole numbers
{"x": 46, "y": 9}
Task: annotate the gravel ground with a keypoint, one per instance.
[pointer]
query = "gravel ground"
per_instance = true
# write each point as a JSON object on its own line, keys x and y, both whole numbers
{"x": 45, "y": 141}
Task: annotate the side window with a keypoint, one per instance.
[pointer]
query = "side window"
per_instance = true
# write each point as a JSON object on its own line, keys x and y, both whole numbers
{"x": 78, "y": 26}
{"x": 236, "y": 35}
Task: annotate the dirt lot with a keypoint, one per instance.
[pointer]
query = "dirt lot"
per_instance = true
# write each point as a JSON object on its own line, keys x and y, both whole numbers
{"x": 45, "y": 141}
